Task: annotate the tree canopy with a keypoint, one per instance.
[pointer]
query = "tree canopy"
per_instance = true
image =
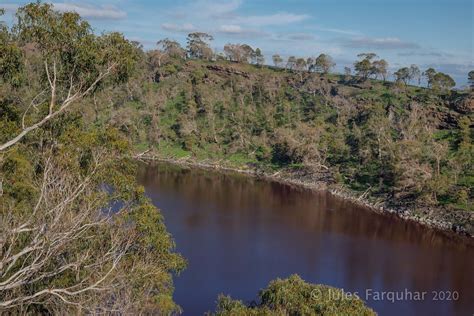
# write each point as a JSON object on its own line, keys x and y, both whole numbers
{"x": 293, "y": 296}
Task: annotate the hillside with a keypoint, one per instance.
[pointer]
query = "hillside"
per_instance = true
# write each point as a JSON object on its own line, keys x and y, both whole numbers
{"x": 405, "y": 148}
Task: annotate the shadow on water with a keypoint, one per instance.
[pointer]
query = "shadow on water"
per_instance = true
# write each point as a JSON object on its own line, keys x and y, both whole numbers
{"x": 238, "y": 233}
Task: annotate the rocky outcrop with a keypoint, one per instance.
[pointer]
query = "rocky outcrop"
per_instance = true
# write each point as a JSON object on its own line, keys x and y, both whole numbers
{"x": 464, "y": 104}
{"x": 228, "y": 70}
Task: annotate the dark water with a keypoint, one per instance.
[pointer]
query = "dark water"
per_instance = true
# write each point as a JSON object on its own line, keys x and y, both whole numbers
{"x": 239, "y": 233}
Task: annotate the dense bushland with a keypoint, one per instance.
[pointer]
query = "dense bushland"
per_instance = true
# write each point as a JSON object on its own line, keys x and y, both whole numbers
{"x": 77, "y": 235}
{"x": 406, "y": 146}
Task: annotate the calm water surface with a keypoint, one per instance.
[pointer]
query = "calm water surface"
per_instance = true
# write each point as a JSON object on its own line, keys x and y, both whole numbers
{"x": 238, "y": 233}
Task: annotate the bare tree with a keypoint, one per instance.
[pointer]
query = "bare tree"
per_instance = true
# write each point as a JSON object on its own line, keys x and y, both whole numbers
{"x": 47, "y": 242}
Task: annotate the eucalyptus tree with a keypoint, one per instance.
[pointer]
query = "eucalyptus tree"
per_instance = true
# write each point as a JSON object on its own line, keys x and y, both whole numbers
{"x": 429, "y": 75}
{"x": 171, "y": 48}
{"x": 347, "y": 73}
{"x": 259, "y": 58}
{"x": 364, "y": 66}
{"x": 443, "y": 82}
{"x": 75, "y": 62}
{"x": 310, "y": 63}
{"x": 415, "y": 73}
{"x": 291, "y": 62}
{"x": 277, "y": 60}
{"x": 324, "y": 63}
{"x": 198, "y": 45}
{"x": 64, "y": 250}
{"x": 403, "y": 75}
{"x": 470, "y": 78}
{"x": 234, "y": 52}
{"x": 380, "y": 68}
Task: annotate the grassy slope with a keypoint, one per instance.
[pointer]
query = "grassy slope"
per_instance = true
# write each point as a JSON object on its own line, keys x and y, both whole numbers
{"x": 237, "y": 114}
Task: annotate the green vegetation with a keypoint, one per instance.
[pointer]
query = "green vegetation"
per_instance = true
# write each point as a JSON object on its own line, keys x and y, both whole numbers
{"x": 293, "y": 296}
{"x": 407, "y": 146}
{"x": 78, "y": 235}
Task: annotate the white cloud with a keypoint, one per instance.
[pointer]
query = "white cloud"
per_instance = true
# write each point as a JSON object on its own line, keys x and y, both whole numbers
{"x": 238, "y": 31}
{"x": 379, "y": 43}
{"x": 281, "y": 18}
{"x": 300, "y": 37}
{"x": 186, "y": 27}
{"x": 232, "y": 28}
{"x": 338, "y": 31}
{"x": 88, "y": 11}
{"x": 221, "y": 8}
{"x": 205, "y": 9}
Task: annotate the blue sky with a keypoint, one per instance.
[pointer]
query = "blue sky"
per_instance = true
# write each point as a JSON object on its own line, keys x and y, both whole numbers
{"x": 430, "y": 33}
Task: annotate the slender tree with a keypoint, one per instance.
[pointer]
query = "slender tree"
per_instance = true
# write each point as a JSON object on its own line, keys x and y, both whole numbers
{"x": 380, "y": 68}
{"x": 429, "y": 75}
{"x": 259, "y": 58}
{"x": 171, "y": 48}
{"x": 198, "y": 45}
{"x": 277, "y": 60}
{"x": 415, "y": 73}
{"x": 291, "y": 62}
{"x": 364, "y": 67}
{"x": 470, "y": 78}
{"x": 324, "y": 63}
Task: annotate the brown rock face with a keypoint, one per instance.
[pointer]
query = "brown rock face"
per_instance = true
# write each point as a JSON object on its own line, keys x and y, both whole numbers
{"x": 464, "y": 105}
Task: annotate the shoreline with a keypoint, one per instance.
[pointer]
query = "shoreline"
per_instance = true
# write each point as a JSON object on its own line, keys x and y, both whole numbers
{"x": 283, "y": 176}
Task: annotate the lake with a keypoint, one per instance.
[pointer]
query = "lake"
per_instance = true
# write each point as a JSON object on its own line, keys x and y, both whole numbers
{"x": 238, "y": 233}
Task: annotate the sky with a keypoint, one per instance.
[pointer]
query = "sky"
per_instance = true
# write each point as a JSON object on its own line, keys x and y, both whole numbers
{"x": 429, "y": 33}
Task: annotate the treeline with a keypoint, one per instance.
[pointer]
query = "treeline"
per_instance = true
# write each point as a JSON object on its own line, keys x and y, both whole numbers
{"x": 397, "y": 144}
{"x": 77, "y": 234}
{"x": 368, "y": 65}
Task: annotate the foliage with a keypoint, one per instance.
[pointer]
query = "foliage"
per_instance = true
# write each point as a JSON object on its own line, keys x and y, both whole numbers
{"x": 293, "y": 296}
{"x": 74, "y": 223}
{"x": 379, "y": 138}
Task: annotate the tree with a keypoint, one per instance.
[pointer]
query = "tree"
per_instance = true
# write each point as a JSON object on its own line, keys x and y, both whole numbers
{"x": 470, "y": 78}
{"x": 310, "y": 64}
{"x": 198, "y": 45}
{"x": 291, "y": 62}
{"x": 277, "y": 60}
{"x": 75, "y": 61}
{"x": 293, "y": 296}
{"x": 241, "y": 53}
{"x": 415, "y": 73}
{"x": 248, "y": 52}
{"x": 10, "y": 57}
{"x": 259, "y": 58}
{"x": 364, "y": 67}
{"x": 347, "y": 71}
{"x": 442, "y": 81}
{"x": 171, "y": 48}
{"x": 403, "y": 75}
{"x": 234, "y": 52}
{"x": 64, "y": 250}
{"x": 429, "y": 75}
{"x": 380, "y": 68}
{"x": 324, "y": 63}
{"x": 300, "y": 64}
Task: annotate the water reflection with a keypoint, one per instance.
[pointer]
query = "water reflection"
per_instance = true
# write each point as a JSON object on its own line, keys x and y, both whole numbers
{"x": 238, "y": 233}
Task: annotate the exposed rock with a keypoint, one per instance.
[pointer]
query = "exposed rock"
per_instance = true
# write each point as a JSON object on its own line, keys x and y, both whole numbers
{"x": 228, "y": 70}
{"x": 464, "y": 105}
